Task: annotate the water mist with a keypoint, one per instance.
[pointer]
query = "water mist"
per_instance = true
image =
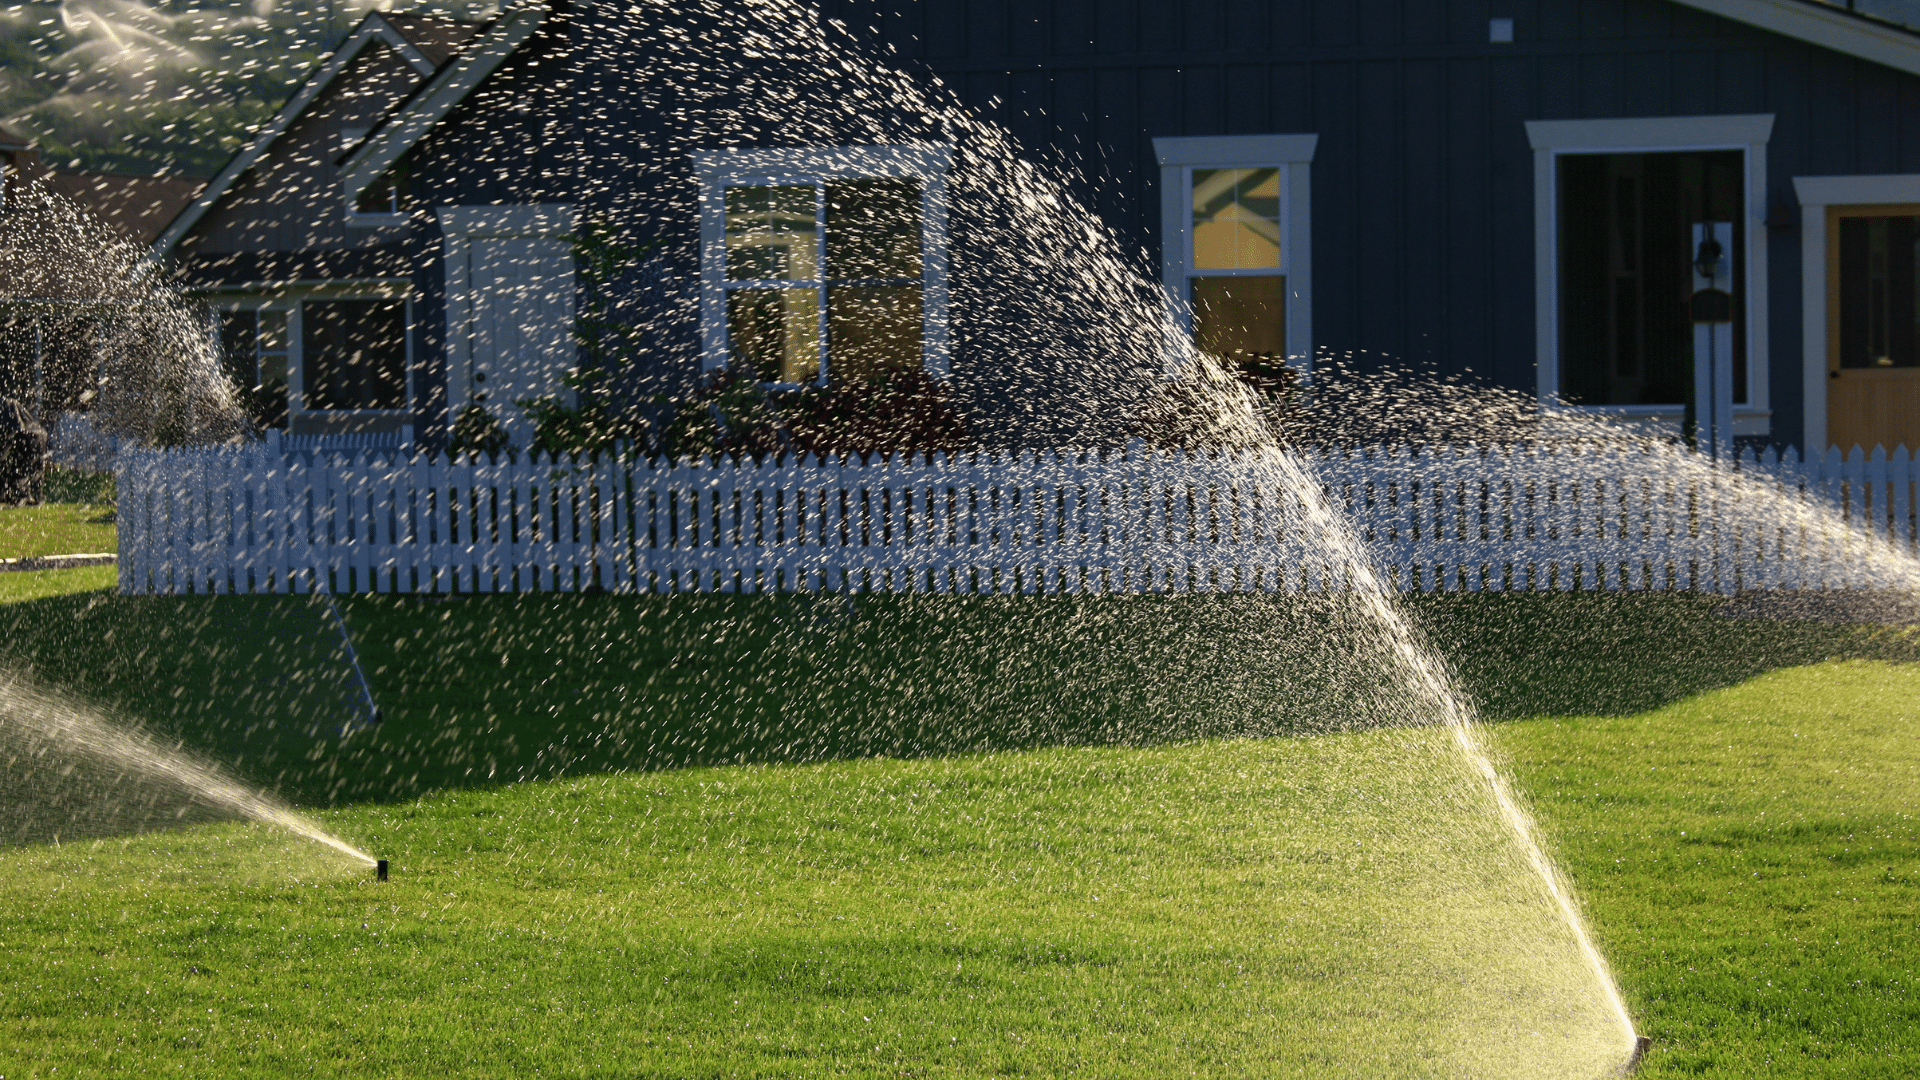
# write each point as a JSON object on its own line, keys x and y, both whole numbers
{"x": 70, "y": 770}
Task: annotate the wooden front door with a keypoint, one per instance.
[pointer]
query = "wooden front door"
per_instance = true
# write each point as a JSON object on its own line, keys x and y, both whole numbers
{"x": 1873, "y": 326}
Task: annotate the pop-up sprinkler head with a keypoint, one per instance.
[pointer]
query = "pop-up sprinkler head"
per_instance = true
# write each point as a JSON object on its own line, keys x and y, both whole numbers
{"x": 1640, "y": 1044}
{"x": 380, "y": 874}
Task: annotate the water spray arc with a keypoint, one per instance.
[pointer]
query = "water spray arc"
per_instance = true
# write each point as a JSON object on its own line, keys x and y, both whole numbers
{"x": 61, "y": 737}
{"x": 374, "y": 715}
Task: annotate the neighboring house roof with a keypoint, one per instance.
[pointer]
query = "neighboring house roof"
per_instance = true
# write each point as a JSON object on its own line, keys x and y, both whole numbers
{"x": 13, "y": 143}
{"x": 1825, "y": 25}
{"x": 431, "y": 103}
{"x": 438, "y": 38}
{"x": 137, "y": 207}
{"x": 417, "y": 39}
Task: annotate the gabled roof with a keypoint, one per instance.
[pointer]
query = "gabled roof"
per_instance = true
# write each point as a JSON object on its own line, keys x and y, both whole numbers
{"x": 431, "y": 103}
{"x": 417, "y": 44}
{"x": 136, "y": 207}
{"x": 1825, "y": 25}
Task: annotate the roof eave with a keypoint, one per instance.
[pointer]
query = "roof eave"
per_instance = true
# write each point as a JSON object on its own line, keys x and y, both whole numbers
{"x": 1831, "y": 28}
{"x": 430, "y": 104}
{"x": 371, "y": 27}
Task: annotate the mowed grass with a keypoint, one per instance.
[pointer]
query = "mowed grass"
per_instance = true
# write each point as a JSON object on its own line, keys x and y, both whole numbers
{"x": 1323, "y": 905}
{"x": 1751, "y": 861}
{"x": 56, "y": 529}
{"x": 1244, "y": 908}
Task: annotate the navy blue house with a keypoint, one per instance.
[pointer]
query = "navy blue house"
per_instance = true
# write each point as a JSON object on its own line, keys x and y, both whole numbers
{"x": 1657, "y": 210}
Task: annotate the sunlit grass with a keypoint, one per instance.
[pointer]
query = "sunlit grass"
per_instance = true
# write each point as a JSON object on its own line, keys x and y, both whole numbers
{"x": 1339, "y": 905}
{"x": 56, "y": 529}
{"x": 1244, "y": 941}
{"x": 1752, "y": 863}
{"x": 41, "y": 584}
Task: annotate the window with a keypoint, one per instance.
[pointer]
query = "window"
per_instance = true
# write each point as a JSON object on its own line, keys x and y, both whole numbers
{"x": 386, "y": 196}
{"x": 253, "y": 342}
{"x": 1235, "y": 247}
{"x": 1620, "y": 206}
{"x": 1626, "y": 272}
{"x": 821, "y": 265}
{"x": 1878, "y": 298}
{"x": 353, "y": 354}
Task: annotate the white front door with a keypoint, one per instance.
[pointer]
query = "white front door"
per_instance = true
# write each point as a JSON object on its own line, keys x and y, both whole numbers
{"x": 522, "y": 325}
{"x": 510, "y": 309}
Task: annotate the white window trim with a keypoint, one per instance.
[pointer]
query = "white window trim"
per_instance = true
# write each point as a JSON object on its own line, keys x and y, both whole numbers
{"x": 293, "y": 302}
{"x": 351, "y": 137}
{"x": 1816, "y": 194}
{"x": 1293, "y": 156}
{"x": 1658, "y": 135}
{"x": 927, "y": 162}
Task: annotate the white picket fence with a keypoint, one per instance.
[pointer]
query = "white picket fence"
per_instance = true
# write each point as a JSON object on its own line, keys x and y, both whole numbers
{"x": 1643, "y": 517}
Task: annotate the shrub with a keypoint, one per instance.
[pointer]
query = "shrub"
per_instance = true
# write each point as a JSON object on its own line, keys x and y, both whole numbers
{"x": 896, "y": 412}
{"x": 727, "y": 414}
{"x": 477, "y": 431}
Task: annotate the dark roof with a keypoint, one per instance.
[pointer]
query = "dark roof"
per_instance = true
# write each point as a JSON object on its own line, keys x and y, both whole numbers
{"x": 11, "y": 141}
{"x": 136, "y": 207}
{"x": 438, "y": 38}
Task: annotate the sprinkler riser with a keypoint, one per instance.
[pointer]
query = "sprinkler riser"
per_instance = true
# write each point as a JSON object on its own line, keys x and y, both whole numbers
{"x": 380, "y": 870}
{"x": 1640, "y": 1045}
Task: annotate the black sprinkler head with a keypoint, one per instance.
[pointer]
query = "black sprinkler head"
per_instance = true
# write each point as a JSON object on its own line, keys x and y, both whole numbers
{"x": 1640, "y": 1044}
{"x": 380, "y": 874}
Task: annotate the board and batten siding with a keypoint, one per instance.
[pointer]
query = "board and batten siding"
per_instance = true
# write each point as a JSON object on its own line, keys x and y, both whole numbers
{"x": 1423, "y": 182}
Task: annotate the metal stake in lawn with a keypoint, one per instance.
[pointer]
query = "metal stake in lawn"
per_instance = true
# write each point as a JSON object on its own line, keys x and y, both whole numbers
{"x": 373, "y": 710}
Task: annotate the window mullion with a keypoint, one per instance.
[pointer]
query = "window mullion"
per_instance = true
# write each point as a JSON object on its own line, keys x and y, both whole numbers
{"x": 820, "y": 291}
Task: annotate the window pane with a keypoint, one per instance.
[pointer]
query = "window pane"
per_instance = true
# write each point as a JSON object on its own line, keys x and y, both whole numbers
{"x": 772, "y": 234}
{"x": 270, "y": 398}
{"x": 1236, "y": 219}
{"x": 239, "y": 347}
{"x": 355, "y": 353}
{"x": 273, "y": 331}
{"x": 1626, "y": 272}
{"x": 871, "y": 329}
{"x": 776, "y": 332}
{"x": 873, "y": 228}
{"x": 1243, "y": 319}
{"x": 1879, "y": 292}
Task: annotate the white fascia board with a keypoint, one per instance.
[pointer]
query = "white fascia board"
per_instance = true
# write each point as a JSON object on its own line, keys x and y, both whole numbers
{"x": 1228, "y": 150}
{"x": 1827, "y": 27}
{"x": 371, "y": 27}
{"x": 523, "y": 219}
{"x": 1856, "y": 190}
{"x": 393, "y": 139}
{"x": 904, "y": 159}
{"x": 1650, "y": 132}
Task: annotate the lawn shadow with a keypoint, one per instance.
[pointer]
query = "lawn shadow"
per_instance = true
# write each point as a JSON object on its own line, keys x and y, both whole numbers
{"x": 482, "y": 690}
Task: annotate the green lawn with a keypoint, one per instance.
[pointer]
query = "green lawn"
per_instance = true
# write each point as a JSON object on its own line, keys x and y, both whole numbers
{"x": 56, "y": 529}
{"x": 1751, "y": 860}
{"x": 1329, "y": 903}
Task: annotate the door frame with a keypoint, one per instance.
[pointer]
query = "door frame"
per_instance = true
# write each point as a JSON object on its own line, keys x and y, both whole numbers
{"x": 1823, "y": 201}
{"x": 459, "y": 227}
{"x": 1552, "y": 139}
